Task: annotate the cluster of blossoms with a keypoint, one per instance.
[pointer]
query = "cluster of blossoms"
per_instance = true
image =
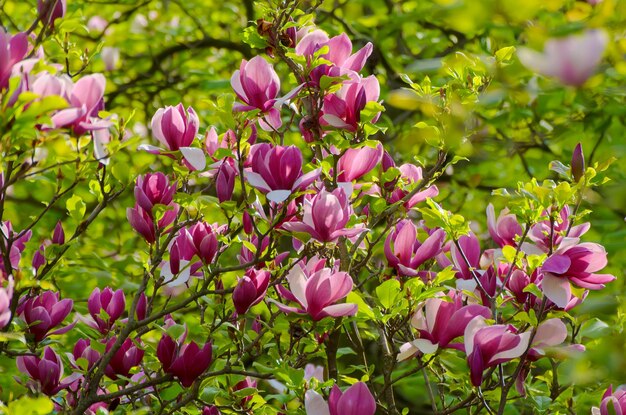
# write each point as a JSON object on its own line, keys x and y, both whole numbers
{"x": 323, "y": 209}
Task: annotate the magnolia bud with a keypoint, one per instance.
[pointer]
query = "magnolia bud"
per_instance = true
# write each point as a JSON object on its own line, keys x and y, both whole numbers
{"x": 578, "y": 163}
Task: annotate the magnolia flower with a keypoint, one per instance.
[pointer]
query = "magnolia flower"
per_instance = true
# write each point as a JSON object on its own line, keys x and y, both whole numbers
{"x": 549, "y": 236}
{"x": 438, "y": 323}
{"x": 176, "y": 129}
{"x": 277, "y": 171}
{"x": 572, "y": 59}
{"x": 356, "y": 400}
{"x": 505, "y": 228}
{"x": 257, "y": 85}
{"x": 12, "y": 50}
{"x": 110, "y": 57}
{"x": 343, "y": 109}
{"x": 250, "y": 290}
{"x": 185, "y": 361}
{"x": 50, "y": 10}
{"x": 45, "y": 312}
{"x": 201, "y": 240}
{"x": 325, "y": 217}
{"x": 576, "y": 264}
{"x": 357, "y": 162}
{"x": 613, "y": 402}
{"x": 412, "y": 175}
{"x": 83, "y": 350}
{"x": 105, "y": 303}
{"x": 408, "y": 253}
{"x": 578, "y": 163}
{"x": 143, "y": 222}
{"x": 124, "y": 359}
{"x": 45, "y": 372}
{"x": 6, "y": 294}
{"x": 339, "y": 54}
{"x": 18, "y": 245}
{"x": 316, "y": 293}
{"x": 154, "y": 189}
{"x": 488, "y": 346}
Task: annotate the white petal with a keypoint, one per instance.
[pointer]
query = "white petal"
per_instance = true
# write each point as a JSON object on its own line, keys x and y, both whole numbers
{"x": 194, "y": 156}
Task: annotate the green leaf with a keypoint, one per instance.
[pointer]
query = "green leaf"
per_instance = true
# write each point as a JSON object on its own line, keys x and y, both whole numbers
{"x": 388, "y": 292}
{"x": 505, "y": 54}
{"x": 594, "y": 329}
{"x": 31, "y": 406}
{"x": 76, "y": 207}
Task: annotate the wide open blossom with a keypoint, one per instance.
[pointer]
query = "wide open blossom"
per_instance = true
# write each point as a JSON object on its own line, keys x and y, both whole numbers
{"x": 575, "y": 264}
{"x": 356, "y": 400}
{"x": 572, "y": 59}
{"x": 277, "y": 171}
{"x": 613, "y": 402}
{"x": 325, "y": 217}
{"x": 45, "y": 312}
{"x": 406, "y": 253}
{"x": 317, "y": 292}
{"x": 343, "y": 109}
{"x": 176, "y": 129}
{"x": 439, "y": 322}
{"x": 342, "y": 60}
{"x": 487, "y": 346}
{"x": 505, "y": 228}
{"x": 45, "y": 372}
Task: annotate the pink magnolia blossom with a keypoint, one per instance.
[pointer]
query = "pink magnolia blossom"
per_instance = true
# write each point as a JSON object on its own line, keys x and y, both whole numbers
{"x": 110, "y": 57}
{"x": 317, "y": 292}
{"x": 505, "y": 228}
{"x": 357, "y": 162}
{"x": 50, "y": 10}
{"x": 577, "y": 165}
{"x": 412, "y": 175}
{"x": 6, "y": 294}
{"x": 45, "y": 312}
{"x": 105, "y": 303}
{"x": 339, "y": 54}
{"x": 487, "y": 346}
{"x": 325, "y": 217}
{"x": 12, "y": 50}
{"x": 613, "y": 402}
{"x": 572, "y": 59}
{"x": 45, "y": 372}
{"x": 154, "y": 189}
{"x": 406, "y": 253}
{"x": 356, "y": 400}
{"x": 186, "y": 361}
{"x": 225, "y": 180}
{"x": 277, "y": 171}
{"x": 128, "y": 356}
{"x": 549, "y": 236}
{"x": 439, "y": 322}
{"x": 211, "y": 410}
{"x": 83, "y": 350}
{"x": 575, "y": 264}
{"x": 250, "y": 290}
{"x": 176, "y": 129}
{"x": 143, "y": 222}
{"x": 257, "y": 85}
{"x": 343, "y": 109}
{"x": 18, "y": 246}
{"x": 202, "y": 241}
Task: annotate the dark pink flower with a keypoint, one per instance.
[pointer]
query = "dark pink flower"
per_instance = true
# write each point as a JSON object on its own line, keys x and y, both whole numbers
{"x": 277, "y": 171}
{"x": 325, "y": 217}
{"x": 12, "y": 50}
{"x": 356, "y": 400}
{"x": 578, "y": 163}
{"x": 357, "y": 162}
{"x": 18, "y": 245}
{"x": 406, "y": 253}
{"x": 438, "y": 322}
{"x": 124, "y": 359}
{"x": 6, "y": 294}
{"x": 153, "y": 189}
{"x": 176, "y": 129}
{"x": 343, "y": 109}
{"x": 83, "y": 350}
{"x": 549, "y": 236}
{"x": 50, "y": 10}
{"x": 250, "y": 290}
{"x": 211, "y": 410}
{"x": 106, "y": 307}
{"x": 487, "y": 346}
{"x": 412, "y": 175}
{"x": 45, "y": 312}
{"x": 575, "y": 264}
{"x": 185, "y": 361}
{"x": 46, "y": 372}
{"x": 143, "y": 222}
{"x": 317, "y": 292}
